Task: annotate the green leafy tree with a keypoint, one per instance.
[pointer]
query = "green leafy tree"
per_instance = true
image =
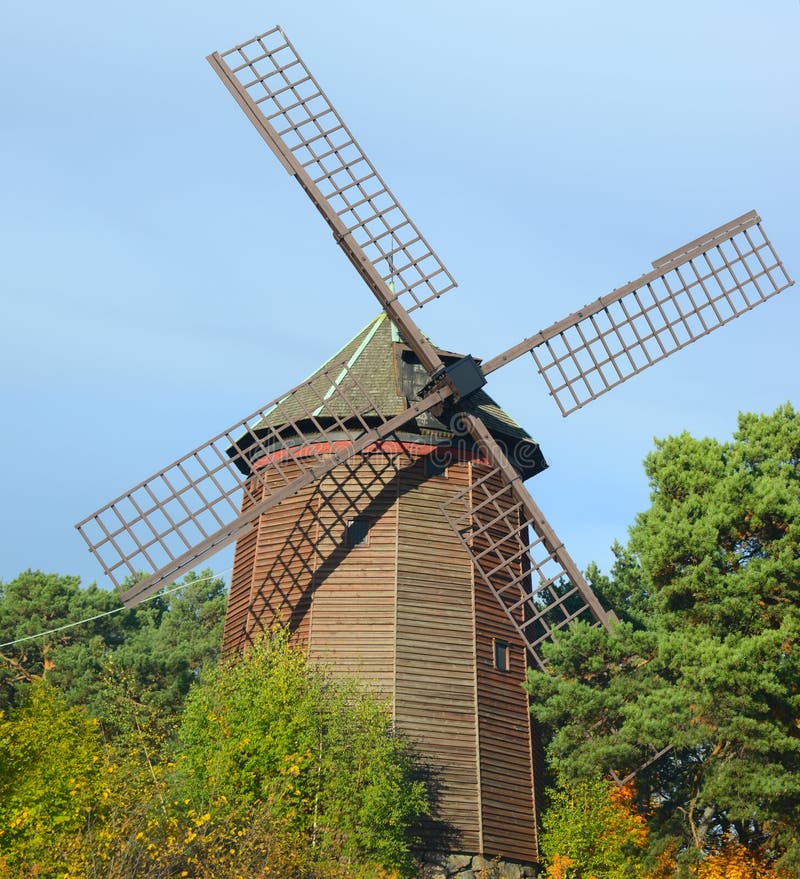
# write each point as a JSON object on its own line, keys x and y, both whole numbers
{"x": 272, "y": 735}
{"x": 74, "y": 805}
{"x": 150, "y": 654}
{"x": 278, "y": 769}
{"x": 51, "y": 785}
{"x": 706, "y": 658}
{"x": 592, "y": 830}
{"x": 36, "y": 602}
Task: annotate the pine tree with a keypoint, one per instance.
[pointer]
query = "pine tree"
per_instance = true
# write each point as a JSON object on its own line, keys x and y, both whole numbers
{"x": 707, "y": 656}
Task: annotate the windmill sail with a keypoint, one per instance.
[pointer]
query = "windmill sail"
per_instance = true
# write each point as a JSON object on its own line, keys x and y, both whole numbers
{"x": 192, "y": 508}
{"x": 285, "y": 103}
{"x": 518, "y": 556}
{"x": 690, "y": 292}
{"x": 516, "y": 553}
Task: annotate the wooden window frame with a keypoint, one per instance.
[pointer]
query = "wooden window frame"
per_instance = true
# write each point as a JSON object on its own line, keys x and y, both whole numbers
{"x": 501, "y": 655}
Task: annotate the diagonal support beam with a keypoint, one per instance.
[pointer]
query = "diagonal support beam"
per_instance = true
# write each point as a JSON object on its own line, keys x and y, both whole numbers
{"x": 489, "y": 446}
{"x": 273, "y": 87}
{"x": 535, "y": 580}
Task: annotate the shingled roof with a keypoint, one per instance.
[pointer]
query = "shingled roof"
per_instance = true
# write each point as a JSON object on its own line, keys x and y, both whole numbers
{"x": 379, "y": 374}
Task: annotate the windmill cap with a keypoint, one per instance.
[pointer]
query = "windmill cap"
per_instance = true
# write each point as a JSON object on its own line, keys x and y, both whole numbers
{"x": 390, "y": 376}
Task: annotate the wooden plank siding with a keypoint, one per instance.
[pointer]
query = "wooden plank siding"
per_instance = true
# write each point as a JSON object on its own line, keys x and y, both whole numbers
{"x": 285, "y": 561}
{"x": 504, "y": 726}
{"x": 405, "y": 614}
{"x": 235, "y": 627}
{"x": 352, "y": 618}
{"x": 435, "y": 677}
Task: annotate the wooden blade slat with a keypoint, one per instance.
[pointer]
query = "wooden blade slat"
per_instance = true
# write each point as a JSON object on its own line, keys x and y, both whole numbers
{"x": 297, "y": 120}
{"x": 188, "y": 511}
{"x": 691, "y": 292}
{"x": 516, "y": 553}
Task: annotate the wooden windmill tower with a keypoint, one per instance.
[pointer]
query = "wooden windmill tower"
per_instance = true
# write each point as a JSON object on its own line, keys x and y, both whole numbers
{"x": 379, "y": 507}
{"x": 367, "y": 570}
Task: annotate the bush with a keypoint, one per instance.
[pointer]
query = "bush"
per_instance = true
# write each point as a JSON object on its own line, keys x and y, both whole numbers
{"x": 312, "y": 756}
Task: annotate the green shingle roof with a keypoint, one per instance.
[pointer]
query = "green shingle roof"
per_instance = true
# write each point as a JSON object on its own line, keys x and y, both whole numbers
{"x": 376, "y": 371}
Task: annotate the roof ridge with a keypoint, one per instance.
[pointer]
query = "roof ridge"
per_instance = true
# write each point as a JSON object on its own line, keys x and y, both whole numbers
{"x": 370, "y": 334}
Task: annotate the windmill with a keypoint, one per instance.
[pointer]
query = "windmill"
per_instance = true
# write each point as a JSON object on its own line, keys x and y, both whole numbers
{"x": 379, "y": 506}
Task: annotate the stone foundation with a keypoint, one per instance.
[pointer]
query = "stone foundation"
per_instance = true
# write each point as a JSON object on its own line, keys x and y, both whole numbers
{"x": 467, "y": 866}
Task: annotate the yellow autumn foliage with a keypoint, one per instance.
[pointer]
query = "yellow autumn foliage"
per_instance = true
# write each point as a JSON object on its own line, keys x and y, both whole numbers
{"x": 733, "y": 861}
{"x": 593, "y": 830}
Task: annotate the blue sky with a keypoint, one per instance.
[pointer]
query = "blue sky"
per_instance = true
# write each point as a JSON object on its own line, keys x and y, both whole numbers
{"x": 161, "y": 275}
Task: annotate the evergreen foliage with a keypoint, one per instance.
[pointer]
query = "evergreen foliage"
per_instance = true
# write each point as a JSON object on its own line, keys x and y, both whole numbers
{"x": 706, "y": 658}
{"x": 155, "y": 650}
{"x": 35, "y": 602}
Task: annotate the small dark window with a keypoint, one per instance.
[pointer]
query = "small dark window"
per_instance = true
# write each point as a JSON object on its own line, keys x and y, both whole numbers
{"x": 501, "y": 656}
{"x": 436, "y": 463}
{"x": 357, "y": 532}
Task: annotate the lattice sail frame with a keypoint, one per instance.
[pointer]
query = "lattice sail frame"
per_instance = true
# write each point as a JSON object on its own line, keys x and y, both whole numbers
{"x": 691, "y": 292}
{"x": 533, "y": 578}
{"x": 289, "y": 108}
{"x": 517, "y": 556}
{"x": 192, "y": 508}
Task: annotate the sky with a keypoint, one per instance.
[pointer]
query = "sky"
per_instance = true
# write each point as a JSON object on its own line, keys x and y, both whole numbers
{"x": 161, "y": 276}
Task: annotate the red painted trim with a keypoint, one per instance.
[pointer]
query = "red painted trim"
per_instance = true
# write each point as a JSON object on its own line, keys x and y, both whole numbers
{"x": 386, "y": 447}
